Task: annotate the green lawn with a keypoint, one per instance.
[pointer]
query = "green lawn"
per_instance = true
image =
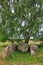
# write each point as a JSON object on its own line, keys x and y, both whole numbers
{"x": 20, "y": 58}
{"x": 26, "y": 58}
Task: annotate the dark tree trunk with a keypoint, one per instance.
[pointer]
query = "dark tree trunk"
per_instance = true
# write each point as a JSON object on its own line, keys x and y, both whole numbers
{"x": 27, "y": 37}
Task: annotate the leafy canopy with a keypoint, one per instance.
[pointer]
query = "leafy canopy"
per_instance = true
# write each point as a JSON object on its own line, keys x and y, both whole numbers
{"x": 19, "y": 16}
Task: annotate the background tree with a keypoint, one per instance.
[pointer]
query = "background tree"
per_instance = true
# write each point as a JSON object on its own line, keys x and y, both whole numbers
{"x": 20, "y": 16}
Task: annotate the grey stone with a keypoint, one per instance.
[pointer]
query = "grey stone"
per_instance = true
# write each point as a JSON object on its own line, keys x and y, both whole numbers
{"x": 23, "y": 47}
{"x": 33, "y": 49}
{"x": 8, "y": 50}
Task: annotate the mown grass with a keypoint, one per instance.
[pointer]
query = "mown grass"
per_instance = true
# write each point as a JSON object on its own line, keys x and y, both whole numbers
{"x": 18, "y": 57}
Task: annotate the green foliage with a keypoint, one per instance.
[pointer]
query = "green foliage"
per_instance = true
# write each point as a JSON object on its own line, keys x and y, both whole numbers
{"x": 3, "y": 38}
{"x": 23, "y": 10}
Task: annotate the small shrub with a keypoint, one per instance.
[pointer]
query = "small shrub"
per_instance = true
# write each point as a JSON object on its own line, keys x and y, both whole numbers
{"x": 3, "y": 38}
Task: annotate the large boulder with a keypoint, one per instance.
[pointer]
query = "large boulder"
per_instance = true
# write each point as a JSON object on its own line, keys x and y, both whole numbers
{"x": 8, "y": 50}
{"x": 33, "y": 49}
{"x": 23, "y": 47}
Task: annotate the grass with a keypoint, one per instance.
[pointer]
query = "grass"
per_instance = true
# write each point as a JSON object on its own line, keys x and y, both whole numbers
{"x": 18, "y": 57}
{"x": 26, "y": 58}
{"x": 34, "y": 42}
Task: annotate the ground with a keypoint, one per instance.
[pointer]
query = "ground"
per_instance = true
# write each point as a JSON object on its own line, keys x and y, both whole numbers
{"x": 18, "y": 58}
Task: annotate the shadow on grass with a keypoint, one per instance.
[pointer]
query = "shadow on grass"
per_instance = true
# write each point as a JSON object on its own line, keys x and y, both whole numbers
{"x": 4, "y": 46}
{"x": 41, "y": 45}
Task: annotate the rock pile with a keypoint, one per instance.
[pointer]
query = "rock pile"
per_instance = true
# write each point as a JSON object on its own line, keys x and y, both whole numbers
{"x": 9, "y": 50}
{"x": 33, "y": 49}
{"x": 23, "y": 47}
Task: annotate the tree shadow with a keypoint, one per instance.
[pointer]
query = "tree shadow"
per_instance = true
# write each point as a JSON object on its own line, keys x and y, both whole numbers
{"x": 41, "y": 45}
{"x": 4, "y": 46}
